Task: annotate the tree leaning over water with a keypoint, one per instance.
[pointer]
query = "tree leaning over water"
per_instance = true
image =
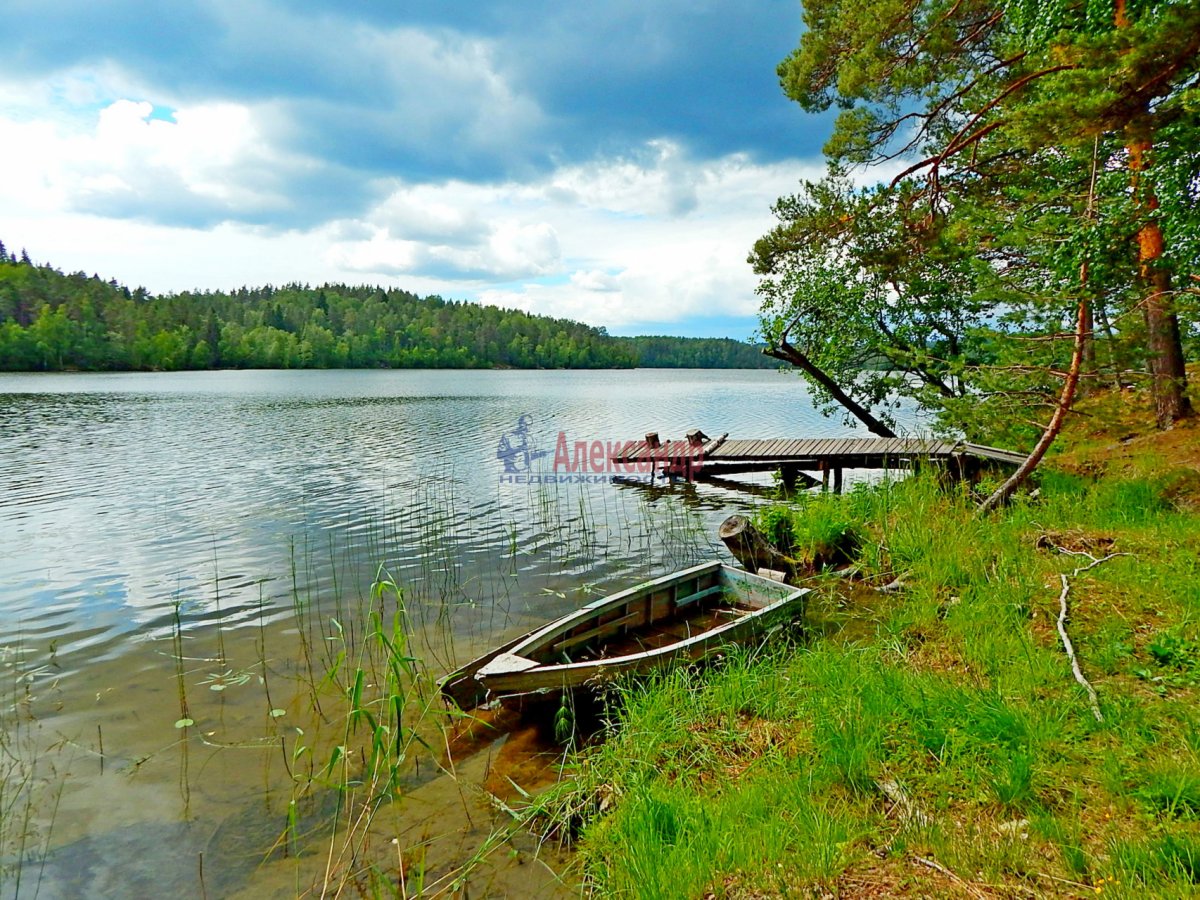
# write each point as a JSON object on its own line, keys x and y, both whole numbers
{"x": 992, "y": 115}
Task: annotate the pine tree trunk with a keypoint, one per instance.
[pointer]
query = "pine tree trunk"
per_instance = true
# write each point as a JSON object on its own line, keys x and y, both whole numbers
{"x": 1163, "y": 342}
{"x": 1089, "y": 349}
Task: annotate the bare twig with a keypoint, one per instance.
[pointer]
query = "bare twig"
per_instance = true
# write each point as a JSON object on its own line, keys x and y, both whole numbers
{"x": 938, "y": 867}
{"x": 1093, "y": 699}
{"x": 909, "y": 811}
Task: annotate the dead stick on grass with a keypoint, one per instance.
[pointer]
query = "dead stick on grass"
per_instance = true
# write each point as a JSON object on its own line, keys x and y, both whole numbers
{"x": 909, "y": 811}
{"x": 938, "y": 867}
{"x": 1093, "y": 699}
{"x": 1077, "y": 884}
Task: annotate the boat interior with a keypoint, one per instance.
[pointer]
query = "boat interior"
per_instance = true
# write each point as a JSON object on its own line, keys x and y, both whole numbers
{"x": 655, "y": 619}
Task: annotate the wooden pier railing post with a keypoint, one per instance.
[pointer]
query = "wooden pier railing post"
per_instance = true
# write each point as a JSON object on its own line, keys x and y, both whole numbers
{"x": 788, "y": 475}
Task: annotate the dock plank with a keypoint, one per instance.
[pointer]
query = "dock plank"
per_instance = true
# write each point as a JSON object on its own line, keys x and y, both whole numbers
{"x": 846, "y": 452}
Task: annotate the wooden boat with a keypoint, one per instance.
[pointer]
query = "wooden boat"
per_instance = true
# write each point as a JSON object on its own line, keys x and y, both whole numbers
{"x": 679, "y": 617}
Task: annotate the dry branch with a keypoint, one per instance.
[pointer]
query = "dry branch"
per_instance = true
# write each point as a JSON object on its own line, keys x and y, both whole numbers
{"x": 938, "y": 867}
{"x": 1093, "y": 699}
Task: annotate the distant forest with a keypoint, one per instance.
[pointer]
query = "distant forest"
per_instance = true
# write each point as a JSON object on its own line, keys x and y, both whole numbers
{"x": 50, "y": 321}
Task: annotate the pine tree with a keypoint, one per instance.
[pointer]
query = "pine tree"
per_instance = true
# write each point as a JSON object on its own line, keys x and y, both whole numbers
{"x": 972, "y": 93}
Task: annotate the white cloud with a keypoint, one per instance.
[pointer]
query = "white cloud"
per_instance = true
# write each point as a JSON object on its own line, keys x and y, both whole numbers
{"x": 636, "y": 257}
{"x": 212, "y": 162}
{"x": 533, "y": 248}
{"x": 622, "y": 245}
{"x": 206, "y": 148}
{"x": 651, "y": 237}
{"x": 659, "y": 180}
{"x": 506, "y": 252}
{"x": 591, "y": 280}
{"x": 426, "y": 214}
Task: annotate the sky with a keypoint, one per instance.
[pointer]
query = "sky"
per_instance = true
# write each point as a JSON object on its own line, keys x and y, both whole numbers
{"x": 610, "y": 162}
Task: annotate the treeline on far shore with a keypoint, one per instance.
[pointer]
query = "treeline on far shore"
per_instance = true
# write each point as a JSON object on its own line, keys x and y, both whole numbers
{"x": 51, "y": 321}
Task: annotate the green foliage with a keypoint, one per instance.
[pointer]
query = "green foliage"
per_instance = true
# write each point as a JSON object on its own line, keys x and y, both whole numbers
{"x": 1172, "y": 790}
{"x": 672, "y": 844}
{"x": 564, "y": 721}
{"x": 1174, "y": 650}
{"x": 956, "y": 284}
{"x": 1170, "y": 862}
{"x": 1176, "y": 661}
{"x": 659, "y": 352}
{"x": 817, "y": 530}
{"x": 955, "y": 693}
{"x": 51, "y": 321}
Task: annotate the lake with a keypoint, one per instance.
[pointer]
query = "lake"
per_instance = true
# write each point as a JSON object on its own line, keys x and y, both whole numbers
{"x": 187, "y": 557}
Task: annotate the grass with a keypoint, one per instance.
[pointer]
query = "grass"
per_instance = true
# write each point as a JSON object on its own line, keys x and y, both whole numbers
{"x": 933, "y": 741}
{"x": 30, "y": 788}
{"x": 818, "y": 531}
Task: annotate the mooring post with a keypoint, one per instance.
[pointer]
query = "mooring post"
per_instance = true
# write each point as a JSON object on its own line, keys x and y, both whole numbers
{"x": 653, "y": 443}
{"x": 788, "y": 475}
{"x": 695, "y": 439}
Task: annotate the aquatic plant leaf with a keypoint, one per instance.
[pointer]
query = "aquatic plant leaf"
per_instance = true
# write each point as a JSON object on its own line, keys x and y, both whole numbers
{"x": 184, "y": 723}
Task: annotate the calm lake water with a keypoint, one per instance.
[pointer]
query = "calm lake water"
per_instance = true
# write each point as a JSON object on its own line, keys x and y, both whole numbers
{"x": 168, "y": 532}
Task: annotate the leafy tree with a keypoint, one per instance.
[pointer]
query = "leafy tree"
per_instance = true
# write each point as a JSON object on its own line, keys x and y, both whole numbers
{"x": 694, "y": 353}
{"x": 996, "y": 112}
{"x": 870, "y": 304}
{"x": 54, "y": 320}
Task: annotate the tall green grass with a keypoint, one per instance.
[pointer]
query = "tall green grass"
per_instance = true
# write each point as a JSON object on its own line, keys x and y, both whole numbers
{"x": 778, "y": 770}
{"x": 30, "y": 787}
{"x": 328, "y": 689}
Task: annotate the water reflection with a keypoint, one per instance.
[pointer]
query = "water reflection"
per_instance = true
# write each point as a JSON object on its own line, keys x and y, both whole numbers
{"x": 203, "y": 546}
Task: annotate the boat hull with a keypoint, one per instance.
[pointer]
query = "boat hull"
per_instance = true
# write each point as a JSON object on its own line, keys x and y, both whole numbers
{"x": 677, "y": 618}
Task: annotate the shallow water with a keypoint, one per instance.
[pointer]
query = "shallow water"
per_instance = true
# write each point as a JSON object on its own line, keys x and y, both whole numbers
{"x": 215, "y": 536}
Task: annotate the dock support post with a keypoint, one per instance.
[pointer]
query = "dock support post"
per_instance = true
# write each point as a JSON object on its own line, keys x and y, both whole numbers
{"x": 837, "y": 480}
{"x": 824, "y": 477}
{"x": 788, "y": 474}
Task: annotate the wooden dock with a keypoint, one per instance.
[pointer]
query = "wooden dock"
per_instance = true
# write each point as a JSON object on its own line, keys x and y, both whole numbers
{"x": 699, "y": 457}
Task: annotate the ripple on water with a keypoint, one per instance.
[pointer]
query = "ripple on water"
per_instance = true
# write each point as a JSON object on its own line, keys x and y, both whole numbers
{"x": 252, "y": 509}
{"x": 124, "y": 496}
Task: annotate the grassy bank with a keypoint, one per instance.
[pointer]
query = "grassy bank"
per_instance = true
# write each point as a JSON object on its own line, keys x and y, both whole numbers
{"x": 933, "y": 741}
